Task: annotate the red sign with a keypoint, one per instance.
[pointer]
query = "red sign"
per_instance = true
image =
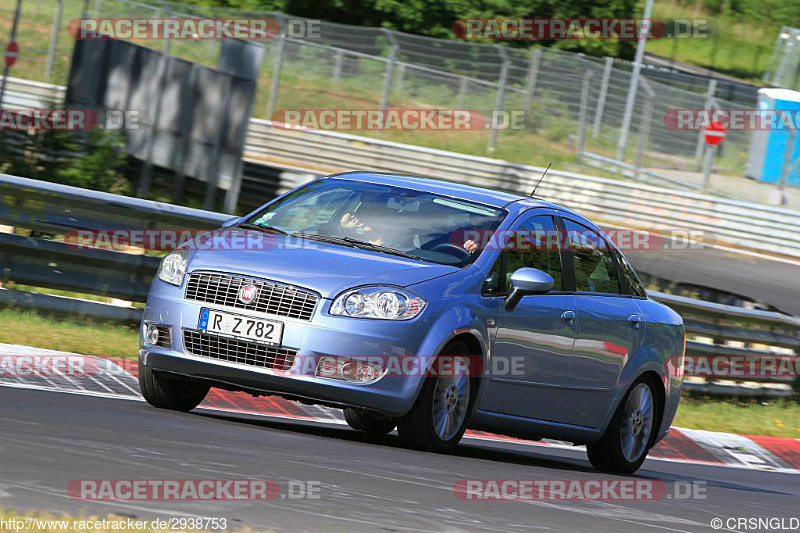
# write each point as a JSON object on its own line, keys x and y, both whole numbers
{"x": 12, "y": 52}
{"x": 714, "y": 133}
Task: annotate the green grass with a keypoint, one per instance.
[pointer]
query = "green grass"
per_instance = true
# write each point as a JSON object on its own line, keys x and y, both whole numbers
{"x": 740, "y": 47}
{"x": 776, "y": 418}
{"x": 78, "y": 336}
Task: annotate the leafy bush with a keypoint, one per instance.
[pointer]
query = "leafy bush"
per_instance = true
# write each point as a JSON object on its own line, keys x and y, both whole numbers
{"x": 92, "y": 160}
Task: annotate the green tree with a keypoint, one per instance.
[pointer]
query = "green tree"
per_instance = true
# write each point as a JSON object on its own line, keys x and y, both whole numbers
{"x": 435, "y": 18}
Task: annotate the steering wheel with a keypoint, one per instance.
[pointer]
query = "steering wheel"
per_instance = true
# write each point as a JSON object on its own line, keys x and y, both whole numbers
{"x": 451, "y": 249}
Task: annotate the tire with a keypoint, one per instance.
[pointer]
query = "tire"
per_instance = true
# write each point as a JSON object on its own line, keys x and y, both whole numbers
{"x": 171, "y": 393}
{"x": 363, "y": 421}
{"x": 634, "y": 424}
{"x": 440, "y": 396}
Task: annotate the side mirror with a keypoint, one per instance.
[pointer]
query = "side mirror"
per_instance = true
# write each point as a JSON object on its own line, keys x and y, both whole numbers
{"x": 231, "y": 222}
{"x": 525, "y": 281}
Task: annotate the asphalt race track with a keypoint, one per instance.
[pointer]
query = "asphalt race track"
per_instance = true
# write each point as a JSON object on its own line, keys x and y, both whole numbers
{"x": 51, "y": 438}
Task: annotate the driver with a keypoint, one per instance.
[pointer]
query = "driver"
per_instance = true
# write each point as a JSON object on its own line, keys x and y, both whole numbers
{"x": 351, "y": 223}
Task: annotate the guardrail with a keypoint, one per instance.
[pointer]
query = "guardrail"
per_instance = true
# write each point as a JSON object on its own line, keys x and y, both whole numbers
{"x": 54, "y": 210}
{"x": 51, "y": 209}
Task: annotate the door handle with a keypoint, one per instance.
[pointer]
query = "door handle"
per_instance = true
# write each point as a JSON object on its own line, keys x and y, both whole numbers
{"x": 568, "y": 317}
{"x": 635, "y": 321}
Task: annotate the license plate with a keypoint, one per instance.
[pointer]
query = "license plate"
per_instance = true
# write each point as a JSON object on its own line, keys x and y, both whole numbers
{"x": 240, "y": 326}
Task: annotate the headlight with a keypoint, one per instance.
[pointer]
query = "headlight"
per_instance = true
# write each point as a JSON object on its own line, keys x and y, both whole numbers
{"x": 385, "y": 303}
{"x": 173, "y": 267}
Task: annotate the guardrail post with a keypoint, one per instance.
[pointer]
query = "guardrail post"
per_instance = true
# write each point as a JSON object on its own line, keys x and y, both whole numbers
{"x": 51, "y": 52}
{"x": 708, "y": 165}
{"x": 787, "y": 167}
{"x": 644, "y": 128}
{"x": 646, "y": 26}
{"x": 787, "y": 49}
{"x": 533, "y": 76}
{"x": 584, "y": 110}
{"x": 498, "y": 103}
{"x": 277, "y": 65}
{"x": 276, "y": 76}
{"x": 698, "y": 151}
{"x": 337, "y": 66}
{"x": 601, "y": 99}
{"x": 462, "y": 92}
{"x": 387, "y": 80}
{"x": 400, "y": 78}
{"x": 11, "y": 39}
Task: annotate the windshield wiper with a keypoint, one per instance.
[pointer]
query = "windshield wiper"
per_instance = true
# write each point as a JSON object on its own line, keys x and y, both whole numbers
{"x": 355, "y": 243}
{"x": 323, "y": 238}
{"x": 381, "y": 248}
{"x": 248, "y": 225}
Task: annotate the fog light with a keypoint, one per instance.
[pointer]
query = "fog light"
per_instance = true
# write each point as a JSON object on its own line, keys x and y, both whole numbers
{"x": 152, "y": 334}
{"x": 349, "y": 370}
{"x": 361, "y": 372}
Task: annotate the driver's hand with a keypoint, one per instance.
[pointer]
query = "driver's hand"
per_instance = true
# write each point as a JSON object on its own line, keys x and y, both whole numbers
{"x": 350, "y": 221}
{"x": 470, "y": 246}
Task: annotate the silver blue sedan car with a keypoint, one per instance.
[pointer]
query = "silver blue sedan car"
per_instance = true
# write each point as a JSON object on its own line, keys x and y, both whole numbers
{"x": 426, "y": 306}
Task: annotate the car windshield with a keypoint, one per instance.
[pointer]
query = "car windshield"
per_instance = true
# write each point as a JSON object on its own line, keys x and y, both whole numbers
{"x": 387, "y": 219}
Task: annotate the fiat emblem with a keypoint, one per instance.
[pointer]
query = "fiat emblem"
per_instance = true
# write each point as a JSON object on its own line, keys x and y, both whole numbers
{"x": 248, "y": 293}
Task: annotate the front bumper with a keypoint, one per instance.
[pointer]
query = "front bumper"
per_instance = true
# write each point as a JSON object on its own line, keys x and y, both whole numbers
{"x": 323, "y": 335}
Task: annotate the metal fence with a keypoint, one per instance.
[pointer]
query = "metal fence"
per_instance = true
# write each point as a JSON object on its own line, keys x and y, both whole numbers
{"x": 360, "y": 67}
{"x": 784, "y": 64}
{"x": 55, "y": 210}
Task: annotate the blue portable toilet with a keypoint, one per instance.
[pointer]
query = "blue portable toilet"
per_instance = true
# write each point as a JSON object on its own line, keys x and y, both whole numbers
{"x": 768, "y": 147}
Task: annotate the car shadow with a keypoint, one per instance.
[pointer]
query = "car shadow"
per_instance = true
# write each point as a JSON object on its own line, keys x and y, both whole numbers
{"x": 519, "y": 454}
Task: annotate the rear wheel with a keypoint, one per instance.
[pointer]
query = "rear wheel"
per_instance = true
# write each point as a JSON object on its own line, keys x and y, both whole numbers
{"x": 364, "y": 421}
{"x": 439, "y": 417}
{"x": 166, "y": 392}
{"x": 625, "y": 444}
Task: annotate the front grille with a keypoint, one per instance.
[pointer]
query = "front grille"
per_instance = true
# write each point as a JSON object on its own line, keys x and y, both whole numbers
{"x": 273, "y": 298}
{"x": 236, "y": 351}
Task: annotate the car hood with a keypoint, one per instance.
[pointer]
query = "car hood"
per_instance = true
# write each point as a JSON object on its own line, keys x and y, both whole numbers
{"x": 325, "y": 268}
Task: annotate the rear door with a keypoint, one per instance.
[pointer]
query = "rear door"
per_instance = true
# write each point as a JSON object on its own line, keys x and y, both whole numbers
{"x": 538, "y": 335}
{"x": 610, "y": 324}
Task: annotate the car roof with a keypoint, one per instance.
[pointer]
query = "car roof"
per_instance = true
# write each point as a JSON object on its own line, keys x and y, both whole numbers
{"x": 490, "y": 197}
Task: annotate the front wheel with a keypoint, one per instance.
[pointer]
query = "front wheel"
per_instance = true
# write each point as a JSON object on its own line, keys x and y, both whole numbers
{"x": 165, "y": 392}
{"x": 438, "y": 419}
{"x": 363, "y": 421}
{"x": 624, "y": 446}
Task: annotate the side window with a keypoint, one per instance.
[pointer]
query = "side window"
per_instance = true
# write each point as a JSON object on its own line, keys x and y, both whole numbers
{"x": 635, "y": 286}
{"x": 595, "y": 270}
{"x": 534, "y": 244}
